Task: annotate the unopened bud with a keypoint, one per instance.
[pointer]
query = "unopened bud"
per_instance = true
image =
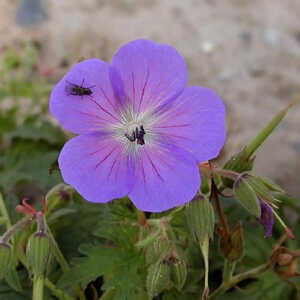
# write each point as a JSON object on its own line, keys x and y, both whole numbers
{"x": 240, "y": 162}
{"x": 245, "y": 194}
{"x": 178, "y": 271}
{"x": 38, "y": 252}
{"x": 5, "y": 258}
{"x": 200, "y": 218}
{"x": 156, "y": 249}
{"x": 158, "y": 278}
{"x": 59, "y": 196}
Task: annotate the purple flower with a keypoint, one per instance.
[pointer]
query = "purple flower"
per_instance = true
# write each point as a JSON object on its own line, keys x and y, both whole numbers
{"x": 266, "y": 219}
{"x": 141, "y": 131}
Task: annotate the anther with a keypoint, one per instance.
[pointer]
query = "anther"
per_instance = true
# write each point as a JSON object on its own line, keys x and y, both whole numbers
{"x": 137, "y": 135}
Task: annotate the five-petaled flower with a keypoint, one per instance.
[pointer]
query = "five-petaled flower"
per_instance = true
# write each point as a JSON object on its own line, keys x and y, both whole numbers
{"x": 141, "y": 132}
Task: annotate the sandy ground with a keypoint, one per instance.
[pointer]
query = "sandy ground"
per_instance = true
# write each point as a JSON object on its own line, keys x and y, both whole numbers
{"x": 247, "y": 51}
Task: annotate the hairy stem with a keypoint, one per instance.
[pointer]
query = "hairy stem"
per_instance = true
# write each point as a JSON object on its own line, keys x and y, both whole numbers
{"x": 14, "y": 228}
{"x": 222, "y": 217}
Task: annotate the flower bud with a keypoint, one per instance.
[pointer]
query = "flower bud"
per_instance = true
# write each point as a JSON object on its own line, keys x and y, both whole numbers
{"x": 245, "y": 194}
{"x": 200, "y": 218}
{"x": 239, "y": 163}
{"x": 157, "y": 249}
{"x": 5, "y": 258}
{"x": 58, "y": 197}
{"x": 158, "y": 278}
{"x": 38, "y": 252}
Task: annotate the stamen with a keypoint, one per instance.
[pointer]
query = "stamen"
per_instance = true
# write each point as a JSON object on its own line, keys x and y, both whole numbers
{"x": 137, "y": 135}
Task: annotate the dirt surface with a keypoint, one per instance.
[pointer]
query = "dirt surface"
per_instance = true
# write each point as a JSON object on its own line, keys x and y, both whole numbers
{"x": 247, "y": 51}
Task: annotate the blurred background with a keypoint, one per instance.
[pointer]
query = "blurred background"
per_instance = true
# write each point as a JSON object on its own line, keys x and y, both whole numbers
{"x": 247, "y": 51}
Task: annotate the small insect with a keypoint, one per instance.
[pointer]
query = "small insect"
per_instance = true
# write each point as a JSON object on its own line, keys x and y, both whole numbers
{"x": 78, "y": 90}
{"x": 138, "y": 135}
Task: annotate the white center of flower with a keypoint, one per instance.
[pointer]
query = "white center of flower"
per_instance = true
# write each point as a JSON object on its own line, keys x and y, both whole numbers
{"x": 134, "y": 130}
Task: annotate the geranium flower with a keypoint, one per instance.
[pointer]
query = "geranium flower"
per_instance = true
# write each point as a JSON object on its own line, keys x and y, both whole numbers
{"x": 141, "y": 131}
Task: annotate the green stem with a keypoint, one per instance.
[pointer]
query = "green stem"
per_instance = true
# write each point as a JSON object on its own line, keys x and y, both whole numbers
{"x": 228, "y": 271}
{"x": 266, "y": 131}
{"x": 57, "y": 253}
{"x": 238, "y": 278}
{"x": 38, "y": 287}
{"x": 55, "y": 291}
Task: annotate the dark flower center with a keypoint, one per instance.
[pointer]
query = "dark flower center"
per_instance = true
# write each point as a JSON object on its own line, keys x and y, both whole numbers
{"x": 137, "y": 135}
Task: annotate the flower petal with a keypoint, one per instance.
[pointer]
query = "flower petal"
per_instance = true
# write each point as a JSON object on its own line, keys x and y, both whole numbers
{"x": 165, "y": 177}
{"x": 94, "y": 164}
{"x": 266, "y": 219}
{"x": 81, "y": 114}
{"x": 147, "y": 74}
{"x": 195, "y": 121}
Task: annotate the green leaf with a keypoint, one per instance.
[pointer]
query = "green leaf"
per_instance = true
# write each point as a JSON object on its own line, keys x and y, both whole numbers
{"x": 246, "y": 196}
{"x": 126, "y": 280}
{"x": 98, "y": 261}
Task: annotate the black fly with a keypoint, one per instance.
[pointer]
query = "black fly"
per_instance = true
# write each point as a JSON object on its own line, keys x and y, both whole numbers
{"x": 138, "y": 135}
{"x": 78, "y": 90}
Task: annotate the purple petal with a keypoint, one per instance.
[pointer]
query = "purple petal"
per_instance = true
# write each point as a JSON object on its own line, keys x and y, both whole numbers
{"x": 81, "y": 114}
{"x": 147, "y": 74}
{"x": 166, "y": 177}
{"x": 195, "y": 121}
{"x": 266, "y": 219}
{"x": 94, "y": 164}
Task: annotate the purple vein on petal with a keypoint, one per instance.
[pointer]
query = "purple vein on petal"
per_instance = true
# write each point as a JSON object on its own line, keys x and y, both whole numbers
{"x": 92, "y": 153}
{"x": 172, "y": 126}
{"x": 153, "y": 166}
{"x": 133, "y": 87}
{"x": 106, "y": 111}
{"x": 106, "y": 157}
{"x": 143, "y": 90}
{"x": 107, "y": 99}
